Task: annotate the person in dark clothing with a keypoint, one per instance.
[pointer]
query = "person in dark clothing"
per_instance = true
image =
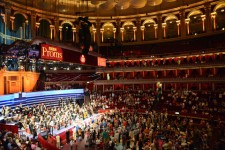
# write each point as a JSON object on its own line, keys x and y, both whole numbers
{"x": 140, "y": 144}
{"x": 67, "y": 136}
{"x": 34, "y": 133}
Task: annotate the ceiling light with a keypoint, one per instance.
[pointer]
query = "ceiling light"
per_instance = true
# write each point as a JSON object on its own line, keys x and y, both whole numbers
{"x": 222, "y": 10}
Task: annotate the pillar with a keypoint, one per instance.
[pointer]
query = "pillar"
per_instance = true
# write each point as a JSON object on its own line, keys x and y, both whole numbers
{"x": 56, "y": 31}
{"x": 94, "y": 34}
{"x": 102, "y": 34}
{"x": 52, "y": 27}
{"x": 138, "y": 30}
{"x": 178, "y": 27}
{"x": 187, "y": 25}
{"x": 122, "y": 34}
{"x": 160, "y": 31}
{"x": 37, "y": 28}
{"x": 26, "y": 29}
{"x": 33, "y": 25}
{"x": 74, "y": 34}
{"x": 12, "y": 18}
{"x": 7, "y": 14}
{"x": 182, "y": 23}
{"x": 143, "y": 33}
{"x": 213, "y": 17}
{"x": 60, "y": 33}
{"x": 156, "y": 27}
{"x": 203, "y": 22}
{"x": 208, "y": 17}
{"x": 114, "y": 33}
{"x": 164, "y": 30}
{"x": 4, "y": 30}
{"x": 98, "y": 26}
{"x": 135, "y": 32}
{"x": 118, "y": 36}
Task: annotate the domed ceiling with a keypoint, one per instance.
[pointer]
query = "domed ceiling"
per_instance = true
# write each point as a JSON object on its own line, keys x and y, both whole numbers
{"x": 103, "y": 7}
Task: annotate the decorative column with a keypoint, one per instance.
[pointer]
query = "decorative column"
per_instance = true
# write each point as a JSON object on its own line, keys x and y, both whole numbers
{"x": 160, "y": 31}
{"x": 122, "y": 35}
{"x": 118, "y": 22}
{"x": 7, "y": 14}
{"x": 203, "y": 22}
{"x": 164, "y": 29}
{"x": 213, "y": 17}
{"x": 208, "y": 17}
{"x": 134, "y": 29}
{"x": 187, "y": 25}
{"x": 155, "y": 28}
{"x": 26, "y": 29}
{"x": 56, "y": 31}
{"x": 33, "y": 25}
{"x": 178, "y": 27}
{"x": 52, "y": 27}
{"x": 74, "y": 34}
{"x": 94, "y": 34}
{"x": 138, "y": 30}
{"x": 98, "y": 31}
{"x": 114, "y": 33}
{"x": 60, "y": 33}
{"x": 12, "y": 18}
{"x": 102, "y": 35}
{"x": 182, "y": 23}
{"x": 143, "y": 32}
{"x": 37, "y": 28}
{"x": 4, "y": 30}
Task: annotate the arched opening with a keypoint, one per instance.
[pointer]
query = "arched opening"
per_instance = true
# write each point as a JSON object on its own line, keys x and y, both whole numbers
{"x": 149, "y": 31}
{"x": 44, "y": 29}
{"x": 220, "y": 18}
{"x": 128, "y": 33}
{"x": 19, "y": 26}
{"x": 196, "y": 23}
{"x": 108, "y": 34}
{"x": 172, "y": 28}
{"x": 67, "y": 32}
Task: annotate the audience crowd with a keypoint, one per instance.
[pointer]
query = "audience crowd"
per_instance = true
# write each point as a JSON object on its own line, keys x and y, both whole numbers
{"x": 137, "y": 120}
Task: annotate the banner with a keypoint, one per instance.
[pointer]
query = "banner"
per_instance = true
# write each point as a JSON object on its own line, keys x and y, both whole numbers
{"x": 102, "y": 62}
{"x": 49, "y": 52}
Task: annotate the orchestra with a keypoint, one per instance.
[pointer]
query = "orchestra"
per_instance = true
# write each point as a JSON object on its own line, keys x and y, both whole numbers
{"x": 39, "y": 118}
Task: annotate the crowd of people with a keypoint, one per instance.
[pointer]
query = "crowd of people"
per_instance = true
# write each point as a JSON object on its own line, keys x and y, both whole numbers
{"x": 39, "y": 118}
{"x": 152, "y": 129}
{"x": 12, "y": 141}
{"x": 124, "y": 127}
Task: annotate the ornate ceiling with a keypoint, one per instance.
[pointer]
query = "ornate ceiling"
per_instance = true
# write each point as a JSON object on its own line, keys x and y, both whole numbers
{"x": 103, "y": 7}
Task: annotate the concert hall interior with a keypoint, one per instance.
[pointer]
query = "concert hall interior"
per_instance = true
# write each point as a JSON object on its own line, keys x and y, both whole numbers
{"x": 112, "y": 74}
